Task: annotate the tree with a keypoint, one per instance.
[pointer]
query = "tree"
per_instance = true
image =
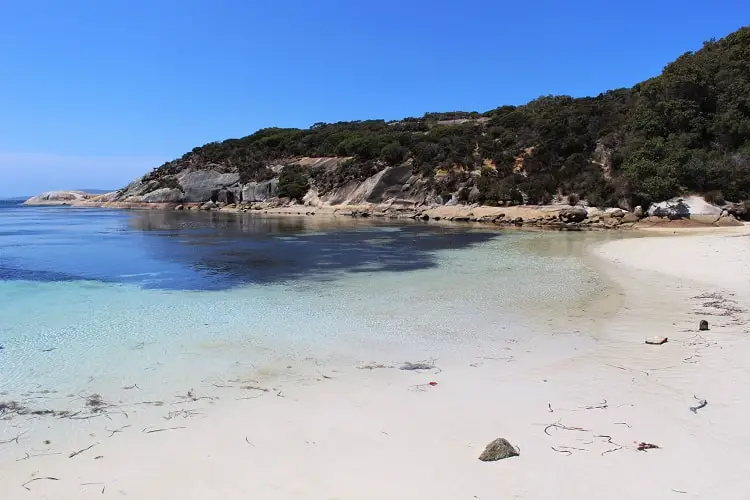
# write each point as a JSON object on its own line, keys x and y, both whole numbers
{"x": 393, "y": 154}
{"x": 293, "y": 182}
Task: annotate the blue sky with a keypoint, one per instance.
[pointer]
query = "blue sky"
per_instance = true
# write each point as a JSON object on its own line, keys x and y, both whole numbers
{"x": 95, "y": 93}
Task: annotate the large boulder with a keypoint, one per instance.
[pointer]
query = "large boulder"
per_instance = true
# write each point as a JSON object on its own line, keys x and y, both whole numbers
{"x": 618, "y": 213}
{"x": 259, "y": 191}
{"x": 592, "y": 212}
{"x": 629, "y": 218}
{"x": 573, "y": 214}
{"x": 201, "y": 185}
{"x": 727, "y": 220}
{"x": 738, "y": 210}
{"x": 672, "y": 210}
{"x": 685, "y": 208}
{"x": 164, "y": 195}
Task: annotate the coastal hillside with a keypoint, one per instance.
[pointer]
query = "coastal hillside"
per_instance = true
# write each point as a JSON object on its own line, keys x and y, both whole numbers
{"x": 684, "y": 131}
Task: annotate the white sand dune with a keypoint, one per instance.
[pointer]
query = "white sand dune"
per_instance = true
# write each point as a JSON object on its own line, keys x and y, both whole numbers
{"x": 382, "y": 433}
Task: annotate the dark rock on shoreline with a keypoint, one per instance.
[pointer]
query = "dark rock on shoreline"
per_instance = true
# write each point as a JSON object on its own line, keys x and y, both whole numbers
{"x": 573, "y": 214}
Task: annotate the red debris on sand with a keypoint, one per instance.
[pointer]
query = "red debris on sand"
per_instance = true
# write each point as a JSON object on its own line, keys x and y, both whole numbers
{"x": 433, "y": 383}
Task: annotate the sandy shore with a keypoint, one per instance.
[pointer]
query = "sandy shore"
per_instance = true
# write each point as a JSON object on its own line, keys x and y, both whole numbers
{"x": 343, "y": 432}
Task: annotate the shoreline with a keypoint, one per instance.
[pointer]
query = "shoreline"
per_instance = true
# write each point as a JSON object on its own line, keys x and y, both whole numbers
{"x": 534, "y": 217}
{"x": 337, "y": 431}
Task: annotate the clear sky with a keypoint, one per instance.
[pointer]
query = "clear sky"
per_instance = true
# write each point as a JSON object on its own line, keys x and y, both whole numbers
{"x": 94, "y": 93}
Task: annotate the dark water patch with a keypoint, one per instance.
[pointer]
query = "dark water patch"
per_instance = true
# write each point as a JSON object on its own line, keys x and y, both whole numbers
{"x": 213, "y": 251}
{"x": 12, "y": 274}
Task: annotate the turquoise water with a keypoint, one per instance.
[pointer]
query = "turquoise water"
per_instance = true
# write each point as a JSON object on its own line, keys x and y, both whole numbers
{"x": 99, "y": 300}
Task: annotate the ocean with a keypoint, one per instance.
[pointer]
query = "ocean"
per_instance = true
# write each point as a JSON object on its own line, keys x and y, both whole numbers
{"x": 100, "y": 300}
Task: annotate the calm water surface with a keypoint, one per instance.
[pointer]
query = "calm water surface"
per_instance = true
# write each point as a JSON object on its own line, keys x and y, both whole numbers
{"x": 101, "y": 299}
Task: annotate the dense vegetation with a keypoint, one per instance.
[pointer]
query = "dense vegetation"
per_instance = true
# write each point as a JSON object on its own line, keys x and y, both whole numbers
{"x": 293, "y": 182}
{"x": 687, "y": 130}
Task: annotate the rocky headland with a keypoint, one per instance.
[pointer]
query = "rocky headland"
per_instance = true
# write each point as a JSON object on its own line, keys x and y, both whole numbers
{"x": 607, "y": 161}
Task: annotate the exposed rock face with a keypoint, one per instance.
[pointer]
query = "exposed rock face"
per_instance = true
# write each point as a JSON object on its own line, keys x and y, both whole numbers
{"x": 498, "y": 449}
{"x": 616, "y": 212}
{"x": 202, "y": 185}
{"x": 58, "y": 198}
{"x": 727, "y": 220}
{"x": 684, "y": 208}
{"x": 392, "y": 185}
{"x": 671, "y": 210}
{"x": 573, "y": 214}
{"x": 629, "y": 218}
{"x": 164, "y": 195}
{"x": 259, "y": 191}
{"x": 738, "y": 210}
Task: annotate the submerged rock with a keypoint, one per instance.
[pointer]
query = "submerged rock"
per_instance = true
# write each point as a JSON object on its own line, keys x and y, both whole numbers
{"x": 498, "y": 449}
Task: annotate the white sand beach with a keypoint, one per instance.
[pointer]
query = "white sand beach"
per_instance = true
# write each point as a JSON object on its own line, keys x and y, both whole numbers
{"x": 576, "y": 404}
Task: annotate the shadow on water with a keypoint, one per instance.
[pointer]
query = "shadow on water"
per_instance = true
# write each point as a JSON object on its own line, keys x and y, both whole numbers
{"x": 212, "y": 251}
{"x": 236, "y": 249}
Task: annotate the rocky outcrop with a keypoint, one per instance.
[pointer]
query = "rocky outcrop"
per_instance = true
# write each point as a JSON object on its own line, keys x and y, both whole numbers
{"x": 670, "y": 210}
{"x": 392, "y": 186}
{"x": 259, "y": 191}
{"x": 164, "y": 195}
{"x": 393, "y": 191}
{"x": 202, "y": 185}
{"x": 58, "y": 198}
{"x": 694, "y": 209}
{"x": 618, "y": 213}
{"x": 629, "y": 218}
{"x": 738, "y": 210}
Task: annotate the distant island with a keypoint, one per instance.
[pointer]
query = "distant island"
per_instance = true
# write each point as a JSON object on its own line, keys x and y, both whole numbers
{"x": 686, "y": 131}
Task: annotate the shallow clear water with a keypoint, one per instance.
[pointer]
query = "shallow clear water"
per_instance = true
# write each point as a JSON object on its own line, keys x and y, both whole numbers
{"x": 102, "y": 299}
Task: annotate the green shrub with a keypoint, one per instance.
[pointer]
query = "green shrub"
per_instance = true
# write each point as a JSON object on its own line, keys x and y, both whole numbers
{"x": 293, "y": 182}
